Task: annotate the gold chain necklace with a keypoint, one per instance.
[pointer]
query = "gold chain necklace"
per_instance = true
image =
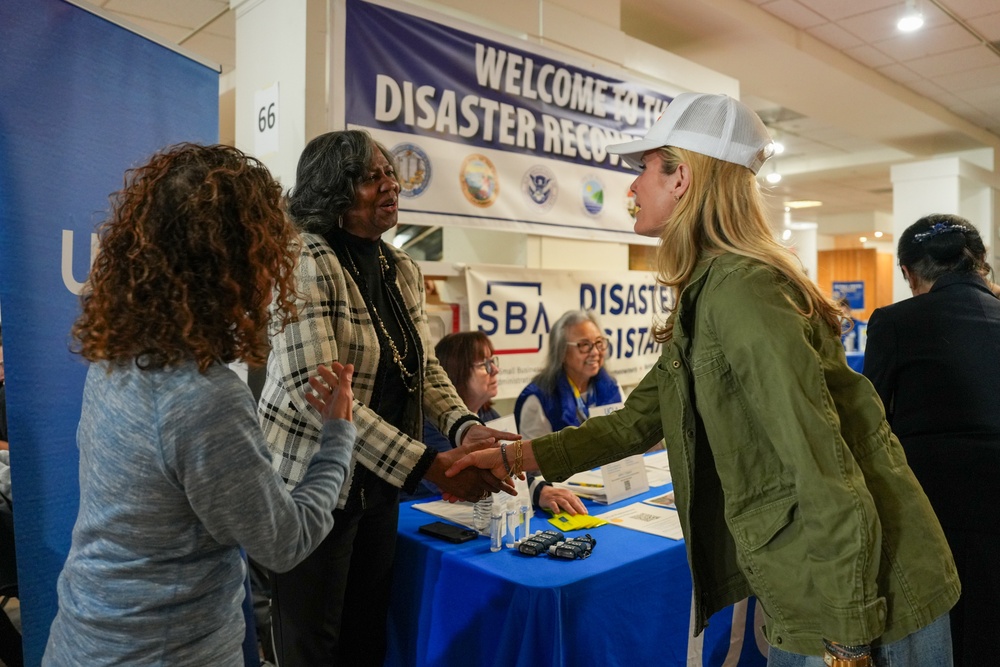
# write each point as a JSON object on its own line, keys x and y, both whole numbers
{"x": 399, "y": 359}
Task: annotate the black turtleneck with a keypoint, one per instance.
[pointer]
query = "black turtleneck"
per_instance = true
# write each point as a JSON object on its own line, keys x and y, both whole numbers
{"x": 390, "y": 397}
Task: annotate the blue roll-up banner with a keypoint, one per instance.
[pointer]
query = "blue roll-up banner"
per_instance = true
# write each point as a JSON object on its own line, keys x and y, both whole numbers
{"x": 490, "y": 131}
{"x": 81, "y": 100}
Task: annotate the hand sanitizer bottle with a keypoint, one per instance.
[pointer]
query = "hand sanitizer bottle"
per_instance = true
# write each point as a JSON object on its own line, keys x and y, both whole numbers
{"x": 497, "y": 526}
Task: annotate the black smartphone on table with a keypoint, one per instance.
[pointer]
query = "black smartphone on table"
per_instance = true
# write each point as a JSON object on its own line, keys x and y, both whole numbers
{"x": 448, "y": 532}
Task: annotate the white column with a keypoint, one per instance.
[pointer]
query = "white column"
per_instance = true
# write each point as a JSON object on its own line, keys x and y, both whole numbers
{"x": 800, "y": 238}
{"x": 944, "y": 185}
{"x": 283, "y": 42}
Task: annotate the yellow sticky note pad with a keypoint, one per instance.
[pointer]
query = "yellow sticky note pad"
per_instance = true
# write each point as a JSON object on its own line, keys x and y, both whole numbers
{"x": 567, "y": 522}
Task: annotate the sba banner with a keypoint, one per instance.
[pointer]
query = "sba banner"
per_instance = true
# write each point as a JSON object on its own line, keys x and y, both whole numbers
{"x": 493, "y": 132}
{"x": 516, "y": 308}
{"x": 81, "y": 101}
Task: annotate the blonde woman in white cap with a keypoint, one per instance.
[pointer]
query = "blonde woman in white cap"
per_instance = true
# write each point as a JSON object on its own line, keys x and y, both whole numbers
{"x": 789, "y": 484}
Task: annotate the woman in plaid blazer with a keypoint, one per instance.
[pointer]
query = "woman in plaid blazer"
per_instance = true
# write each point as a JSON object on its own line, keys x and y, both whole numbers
{"x": 361, "y": 302}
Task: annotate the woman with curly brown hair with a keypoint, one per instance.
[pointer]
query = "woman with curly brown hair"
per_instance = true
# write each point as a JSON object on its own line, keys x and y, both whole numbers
{"x": 174, "y": 471}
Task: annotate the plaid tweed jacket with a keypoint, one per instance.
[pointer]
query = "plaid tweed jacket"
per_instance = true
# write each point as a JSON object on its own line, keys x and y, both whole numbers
{"x": 334, "y": 325}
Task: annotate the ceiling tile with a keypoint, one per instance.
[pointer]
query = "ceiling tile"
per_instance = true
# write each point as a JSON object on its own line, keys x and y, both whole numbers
{"x": 184, "y": 13}
{"x": 224, "y": 26}
{"x": 842, "y": 9}
{"x": 970, "y": 79}
{"x": 929, "y": 89}
{"x": 968, "y": 9}
{"x": 941, "y": 39}
{"x": 219, "y": 50}
{"x": 165, "y": 31}
{"x": 988, "y": 26}
{"x": 869, "y": 55}
{"x": 952, "y": 62}
{"x": 899, "y": 73}
{"x": 835, "y": 36}
{"x": 982, "y": 98}
{"x": 795, "y": 13}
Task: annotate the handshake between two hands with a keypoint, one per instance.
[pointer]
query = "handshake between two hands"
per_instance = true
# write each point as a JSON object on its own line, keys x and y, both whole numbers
{"x": 471, "y": 471}
{"x": 475, "y": 469}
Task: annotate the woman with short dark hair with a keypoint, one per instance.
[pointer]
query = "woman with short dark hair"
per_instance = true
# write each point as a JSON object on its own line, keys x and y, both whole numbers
{"x": 361, "y": 299}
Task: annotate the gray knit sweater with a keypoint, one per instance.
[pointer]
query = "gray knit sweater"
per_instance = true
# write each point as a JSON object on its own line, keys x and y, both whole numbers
{"x": 174, "y": 477}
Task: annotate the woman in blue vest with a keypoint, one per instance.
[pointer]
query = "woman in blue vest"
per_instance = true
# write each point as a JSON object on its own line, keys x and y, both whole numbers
{"x": 573, "y": 381}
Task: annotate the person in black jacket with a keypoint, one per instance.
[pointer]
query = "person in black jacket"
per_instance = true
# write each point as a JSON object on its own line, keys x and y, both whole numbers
{"x": 935, "y": 362}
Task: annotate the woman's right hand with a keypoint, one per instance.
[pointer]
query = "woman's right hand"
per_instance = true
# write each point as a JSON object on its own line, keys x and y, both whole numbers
{"x": 485, "y": 459}
{"x": 333, "y": 397}
{"x": 557, "y": 499}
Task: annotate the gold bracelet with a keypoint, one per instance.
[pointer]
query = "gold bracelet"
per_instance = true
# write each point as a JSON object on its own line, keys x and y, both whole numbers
{"x": 518, "y": 458}
{"x": 834, "y": 661}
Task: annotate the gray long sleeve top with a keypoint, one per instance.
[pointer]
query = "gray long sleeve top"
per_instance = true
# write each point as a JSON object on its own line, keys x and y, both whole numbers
{"x": 175, "y": 476}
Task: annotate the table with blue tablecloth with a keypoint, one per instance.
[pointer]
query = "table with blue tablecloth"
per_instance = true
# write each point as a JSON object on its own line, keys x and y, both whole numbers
{"x": 628, "y": 604}
{"x": 856, "y": 360}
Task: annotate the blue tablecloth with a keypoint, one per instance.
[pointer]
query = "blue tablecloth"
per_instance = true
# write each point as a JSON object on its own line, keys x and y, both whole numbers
{"x": 628, "y": 604}
{"x": 856, "y": 360}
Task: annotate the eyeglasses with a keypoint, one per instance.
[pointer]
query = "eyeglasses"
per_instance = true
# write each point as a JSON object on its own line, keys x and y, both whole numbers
{"x": 586, "y": 346}
{"x": 491, "y": 365}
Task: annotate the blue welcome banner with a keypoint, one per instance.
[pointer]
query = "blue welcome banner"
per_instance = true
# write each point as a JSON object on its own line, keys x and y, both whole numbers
{"x": 443, "y": 82}
{"x": 81, "y": 100}
{"x": 492, "y": 131}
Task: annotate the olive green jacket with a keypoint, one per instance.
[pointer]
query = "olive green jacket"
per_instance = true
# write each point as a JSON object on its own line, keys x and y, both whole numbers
{"x": 789, "y": 483}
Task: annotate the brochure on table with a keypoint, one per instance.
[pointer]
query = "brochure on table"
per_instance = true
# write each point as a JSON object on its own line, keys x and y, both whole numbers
{"x": 647, "y": 518}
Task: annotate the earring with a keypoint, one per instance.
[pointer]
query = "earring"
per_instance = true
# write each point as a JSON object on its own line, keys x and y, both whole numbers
{"x": 677, "y": 197}
{"x": 340, "y": 221}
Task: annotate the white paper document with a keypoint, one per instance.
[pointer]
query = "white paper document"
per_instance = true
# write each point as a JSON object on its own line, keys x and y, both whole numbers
{"x": 460, "y": 512}
{"x": 658, "y": 461}
{"x": 647, "y": 519}
{"x": 507, "y": 423}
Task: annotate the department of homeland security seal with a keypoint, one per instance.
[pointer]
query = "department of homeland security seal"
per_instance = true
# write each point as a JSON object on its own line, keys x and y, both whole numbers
{"x": 592, "y": 195}
{"x": 540, "y": 187}
{"x": 413, "y": 169}
{"x": 478, "y": 180}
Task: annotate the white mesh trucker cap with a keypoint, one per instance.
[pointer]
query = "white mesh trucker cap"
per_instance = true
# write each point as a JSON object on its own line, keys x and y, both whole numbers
{"x": 714, "y": 125}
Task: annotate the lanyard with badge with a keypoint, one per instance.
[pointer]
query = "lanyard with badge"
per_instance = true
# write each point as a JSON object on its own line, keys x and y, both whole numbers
{"x": 581, "y": 408}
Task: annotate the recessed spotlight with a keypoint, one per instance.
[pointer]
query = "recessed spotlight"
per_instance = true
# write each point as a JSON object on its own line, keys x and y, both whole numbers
{"x": 803, "y": 203}
{"x": 785, "y": 235}
{"x": 912, "y": 19}
{"x": 773, "y": 177}
{"x": 864, "y": 239}
{"x": 878, "y": 235}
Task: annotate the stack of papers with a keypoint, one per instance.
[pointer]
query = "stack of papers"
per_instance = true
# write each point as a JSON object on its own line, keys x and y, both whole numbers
{"x": 647, "y": 519}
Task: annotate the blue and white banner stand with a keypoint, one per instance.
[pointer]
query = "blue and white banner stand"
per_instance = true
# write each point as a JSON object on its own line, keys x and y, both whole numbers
{"x": 82, "y": 99}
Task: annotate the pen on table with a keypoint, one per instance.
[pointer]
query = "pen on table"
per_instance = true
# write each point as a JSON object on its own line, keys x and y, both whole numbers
{"x": 592, "y": 486}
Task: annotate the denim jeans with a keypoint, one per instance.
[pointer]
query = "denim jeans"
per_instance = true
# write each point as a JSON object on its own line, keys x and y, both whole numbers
{"x": 928, "y": 647}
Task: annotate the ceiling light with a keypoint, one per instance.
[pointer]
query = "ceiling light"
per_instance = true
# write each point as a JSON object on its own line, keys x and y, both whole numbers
{"x": 912, "y": 19}
{"x": 779, "y": 147}
{"x": 864, "y": 239}
{"x": 878, "y": 235}
{"x": 774, "y": 176}
{"x": 785, "y": 235}
{"x": 803, "y": 203}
